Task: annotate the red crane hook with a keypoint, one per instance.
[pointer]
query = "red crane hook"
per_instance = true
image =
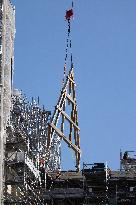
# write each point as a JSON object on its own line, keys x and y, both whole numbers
{"x": 69, "y": 14}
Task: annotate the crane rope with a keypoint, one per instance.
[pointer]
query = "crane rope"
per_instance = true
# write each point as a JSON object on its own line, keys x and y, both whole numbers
{"x": 68, "y": 17}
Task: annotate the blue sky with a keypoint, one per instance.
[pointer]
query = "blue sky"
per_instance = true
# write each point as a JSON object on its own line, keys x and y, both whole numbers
{"x": 104, "y": 55}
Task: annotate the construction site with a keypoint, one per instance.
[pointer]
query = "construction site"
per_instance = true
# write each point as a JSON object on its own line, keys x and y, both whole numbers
{"x": 31, "y": 136}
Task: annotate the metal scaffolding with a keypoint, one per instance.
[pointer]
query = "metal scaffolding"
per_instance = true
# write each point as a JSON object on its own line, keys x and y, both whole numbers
{"x": 25, "y": 150}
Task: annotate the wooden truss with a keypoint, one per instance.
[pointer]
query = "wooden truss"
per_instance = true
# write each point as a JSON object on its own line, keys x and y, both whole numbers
{"x": 67, "y": 99}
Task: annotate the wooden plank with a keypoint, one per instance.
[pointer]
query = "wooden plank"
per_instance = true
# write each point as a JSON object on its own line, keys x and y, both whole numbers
{"x": 72, "y": 80}
{"x": 70, "y": 98}
{"x": 74, "y": 147}
{"x": 67, "y": 117}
